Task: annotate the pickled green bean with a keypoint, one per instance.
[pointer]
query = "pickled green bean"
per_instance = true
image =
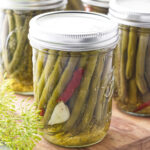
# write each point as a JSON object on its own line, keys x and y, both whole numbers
{"x": 20, "y": 46}
{"x": 46, "y": 72}
{"x": 21, "y": 66}
{"x": 123, "y": 82}
{"x": 147, "y": 64}
{"x": 103, "y": 88}
{"x": 19, "y": 24}
{"x": 39, "y": 67}
{"x": 132, "y": 47}
{"x": 52, "y": 80}
{"x": 93, "y": 95}
{"x": 12, "y": 42}
{"x": 132, "y": 92}
{"x": 140, "y": 63}
{"x": 116, "y": 63}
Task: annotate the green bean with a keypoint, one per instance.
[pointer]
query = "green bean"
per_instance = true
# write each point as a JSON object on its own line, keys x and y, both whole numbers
{"x": 132, "y": 92}
{"x": 65, "y": 78}
{"x": 103, "y": 87}
{"x": 116, "y": 63}
{"x": 72, "y": 99}
{"x": 147, "y": 64}
{"x": 21, "y": 67}
{"x": 20, "y": 46}
{"x": 46, "y": 72}
{"x": 140, "y": 63}
{"x": 11, "y": 20}
{"x": 52, "y": 80}
{"x": 83, "y": 92}
{"x": 12, "y": 42}
{"x": 123, "y": 81}
{"x": 107, "y": 102}
{"x": 93, "y": 95}
{"x": 19, "y": 24}
{"x": 39, "y": 65}
{"x": 132, "y": 46}
{"x": 25, "y": 67}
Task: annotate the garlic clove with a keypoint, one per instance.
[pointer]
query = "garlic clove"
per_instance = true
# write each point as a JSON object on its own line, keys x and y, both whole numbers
{"x": 60, "y": 114}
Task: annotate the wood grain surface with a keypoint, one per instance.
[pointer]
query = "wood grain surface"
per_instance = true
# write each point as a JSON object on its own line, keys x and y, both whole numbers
{"x": 126, "y": 133}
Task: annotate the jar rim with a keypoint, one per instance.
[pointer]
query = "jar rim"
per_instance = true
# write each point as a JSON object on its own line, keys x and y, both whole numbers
{"x": 32, "y": 4}
{"x": 79, "y": 31}
{"x": 133, "y": 13}
{"x": 98, "y": 3}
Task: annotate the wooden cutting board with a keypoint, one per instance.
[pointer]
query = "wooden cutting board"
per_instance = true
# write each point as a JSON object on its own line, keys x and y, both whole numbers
{"x": 126, "y": 133}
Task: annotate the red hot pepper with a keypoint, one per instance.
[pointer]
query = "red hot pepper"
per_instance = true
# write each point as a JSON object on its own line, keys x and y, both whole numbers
{"x": 42, "y": 112}
{"x": 72, "y": 85}
{"x": 142, "y": 106}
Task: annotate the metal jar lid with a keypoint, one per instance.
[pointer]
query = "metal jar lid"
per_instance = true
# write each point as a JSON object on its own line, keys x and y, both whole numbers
{"x": 72, "y": 31}
{"x": 131, "y": 12}
{"x": 98, "y": 3}
{"x": 32, "y": 4}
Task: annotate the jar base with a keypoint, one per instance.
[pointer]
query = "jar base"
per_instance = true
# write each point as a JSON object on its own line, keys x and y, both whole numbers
{"x": 131, "y": 113}
{"x": 84, "y": 139}
{"x": 83, "y": 146}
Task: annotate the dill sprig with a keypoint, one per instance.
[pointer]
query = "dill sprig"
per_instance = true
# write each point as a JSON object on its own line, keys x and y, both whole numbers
{"x": 18, "y": 125}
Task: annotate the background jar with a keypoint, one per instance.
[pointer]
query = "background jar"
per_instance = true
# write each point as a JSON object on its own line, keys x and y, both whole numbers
{"x": 99, "y": 6}
{"x": 73, "y": 75}
{"x": 16, "y": 53}
{"x": 132, "y": 56}
{"x": 74, "y": 5}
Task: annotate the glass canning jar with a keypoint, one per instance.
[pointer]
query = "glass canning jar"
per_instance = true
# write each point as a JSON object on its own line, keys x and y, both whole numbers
{"x": 73, "y": 75}
{"x": 132, "y": 56}
{"x": 99, "y": 6}
{"x": 15, "y": 51}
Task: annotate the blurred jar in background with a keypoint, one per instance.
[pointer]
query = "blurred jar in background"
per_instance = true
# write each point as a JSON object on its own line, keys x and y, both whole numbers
{"x": 132, "y": 56}
{"x": 16, "y": 53}
{"x": 75, "y": 5}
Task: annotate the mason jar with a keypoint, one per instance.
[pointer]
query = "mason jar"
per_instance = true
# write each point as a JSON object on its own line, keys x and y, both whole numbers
{"x": 74, "y": 5}
{"x": 73, "y": 75}
{"x": 16, "y": 53}
{"x": 132, "y": 56}
{"x": 99, "y": 6}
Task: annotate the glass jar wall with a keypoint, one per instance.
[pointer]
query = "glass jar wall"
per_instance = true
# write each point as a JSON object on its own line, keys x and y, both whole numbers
{"x": 74, "y": 94}
{"x": 16, "y": 52}
{"x": 73, "y": 80}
